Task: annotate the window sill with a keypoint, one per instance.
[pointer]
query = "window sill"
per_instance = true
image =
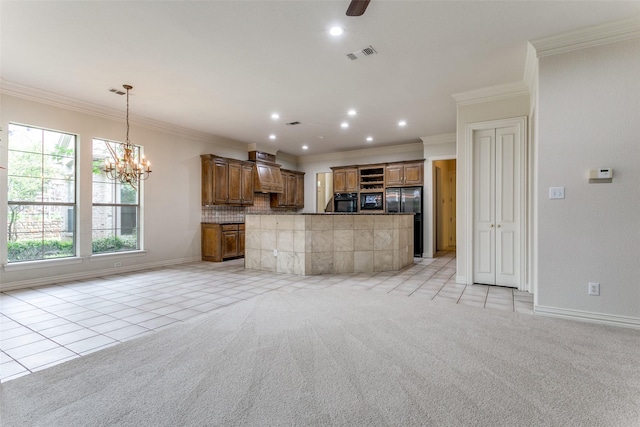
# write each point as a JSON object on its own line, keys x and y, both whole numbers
{"x": 116, "y": 255}
{"x": 44, "y": 263}
{"x": 48, "y": 263}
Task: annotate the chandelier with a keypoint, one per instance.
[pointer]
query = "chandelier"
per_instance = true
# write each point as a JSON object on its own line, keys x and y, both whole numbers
{"x": 128, "y": 169}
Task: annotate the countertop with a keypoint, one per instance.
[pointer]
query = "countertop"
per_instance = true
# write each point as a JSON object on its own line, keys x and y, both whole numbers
{"x": 333, "y": 213}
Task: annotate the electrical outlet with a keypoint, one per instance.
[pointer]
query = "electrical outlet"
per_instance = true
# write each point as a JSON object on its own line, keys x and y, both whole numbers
{"x": 275, "y": 252}
{"x": 117, "y": 264}
{"x": 594, "y": 288}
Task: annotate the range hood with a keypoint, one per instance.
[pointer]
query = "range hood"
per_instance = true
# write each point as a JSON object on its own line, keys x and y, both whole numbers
{"x": 266, "y": 175}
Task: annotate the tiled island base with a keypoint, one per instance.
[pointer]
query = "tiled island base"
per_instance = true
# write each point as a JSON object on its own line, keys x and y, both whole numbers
{"x": 309, "y": 244}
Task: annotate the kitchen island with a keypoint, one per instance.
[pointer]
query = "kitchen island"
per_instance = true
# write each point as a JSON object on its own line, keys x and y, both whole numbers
{"x": 325, "y": 243}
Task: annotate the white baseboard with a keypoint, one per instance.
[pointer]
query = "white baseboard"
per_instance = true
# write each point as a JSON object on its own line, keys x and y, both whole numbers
{"x": 587, "y": 316}
{"x": 49, "y": 280}
{"x": 461, "y": 279}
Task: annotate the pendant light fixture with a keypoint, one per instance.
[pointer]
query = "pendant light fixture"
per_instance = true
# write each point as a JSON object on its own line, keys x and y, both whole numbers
{"x": 128, "y": 169}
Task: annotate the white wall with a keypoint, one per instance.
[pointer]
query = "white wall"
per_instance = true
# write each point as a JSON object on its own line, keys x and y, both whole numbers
{"x": 172, "y": 214}
{"x": 589, "y": 117}
{"x": 516, "y": 106}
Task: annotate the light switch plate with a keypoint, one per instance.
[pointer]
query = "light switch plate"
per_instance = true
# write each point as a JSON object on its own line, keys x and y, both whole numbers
{"x": 556, "y": 192}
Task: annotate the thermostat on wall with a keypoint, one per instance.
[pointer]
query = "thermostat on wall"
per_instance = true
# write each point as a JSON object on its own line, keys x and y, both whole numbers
{"x": 604, "y": 173}
{"x": 601, "y": 175}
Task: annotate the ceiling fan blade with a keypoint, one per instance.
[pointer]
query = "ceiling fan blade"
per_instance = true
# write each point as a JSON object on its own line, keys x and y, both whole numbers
{"x": 357, "y": 7}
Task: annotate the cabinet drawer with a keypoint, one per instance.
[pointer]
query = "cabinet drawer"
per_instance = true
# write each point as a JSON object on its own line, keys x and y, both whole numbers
{"x": 230, "y": 227}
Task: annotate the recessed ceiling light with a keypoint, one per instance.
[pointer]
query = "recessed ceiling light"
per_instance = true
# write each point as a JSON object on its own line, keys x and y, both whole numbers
{"x": 344, "y": 125}
{"x": 351, "y": 112}
{"x": 305, "y": 147}
{"x": 402, "y": 123}
{"x": 275, "y": 116}
{"x": 336, "y": 31}
{"x": 369, "y": 139}
{"x": 272, "y": 136}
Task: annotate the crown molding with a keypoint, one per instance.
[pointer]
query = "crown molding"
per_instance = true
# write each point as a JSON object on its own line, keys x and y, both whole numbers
{"x": 492, "y": 93}
{"x": 72, "y": 104}
{"x": 445, "y": 138}
{"x": 588, "y": 37}
{"x": 359, "y": 154}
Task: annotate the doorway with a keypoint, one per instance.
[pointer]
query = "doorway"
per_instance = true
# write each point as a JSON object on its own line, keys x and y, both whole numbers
{"x": 324, "y": 192}
{"x": 444, "y": 204}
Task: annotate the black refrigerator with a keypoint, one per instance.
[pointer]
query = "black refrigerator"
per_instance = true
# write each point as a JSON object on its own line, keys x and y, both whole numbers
{"x": 408, "y": 199}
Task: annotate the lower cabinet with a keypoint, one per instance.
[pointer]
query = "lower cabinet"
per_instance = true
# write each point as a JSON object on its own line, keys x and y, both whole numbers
{"x": 222, "y": 241}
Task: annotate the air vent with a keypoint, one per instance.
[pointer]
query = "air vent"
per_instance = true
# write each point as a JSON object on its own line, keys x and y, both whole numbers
{"x": 367, "y": 51}
{"x": 117, "y": 91}
{"x": 292, "y": 123}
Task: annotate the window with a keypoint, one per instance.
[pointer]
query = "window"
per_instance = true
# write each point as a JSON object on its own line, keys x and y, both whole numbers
{"x": 41, "y": 194}
{"x": 116, "y": 206}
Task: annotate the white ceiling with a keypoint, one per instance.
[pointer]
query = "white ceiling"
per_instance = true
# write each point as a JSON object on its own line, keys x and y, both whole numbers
{"x": 222, "y": 67}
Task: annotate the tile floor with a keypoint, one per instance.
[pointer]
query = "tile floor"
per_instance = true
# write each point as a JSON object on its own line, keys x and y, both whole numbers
{"x": 44, "y": 326}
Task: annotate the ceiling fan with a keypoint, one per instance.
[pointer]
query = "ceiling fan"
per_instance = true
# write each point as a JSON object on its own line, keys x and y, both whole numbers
{"x": 357, "y": 7}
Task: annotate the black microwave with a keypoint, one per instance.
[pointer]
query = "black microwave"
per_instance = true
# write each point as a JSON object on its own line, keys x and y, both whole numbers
{"x": 371, "y": 201}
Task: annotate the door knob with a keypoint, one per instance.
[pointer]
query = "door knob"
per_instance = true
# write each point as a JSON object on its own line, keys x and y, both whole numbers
{"x": 491, "y": 226}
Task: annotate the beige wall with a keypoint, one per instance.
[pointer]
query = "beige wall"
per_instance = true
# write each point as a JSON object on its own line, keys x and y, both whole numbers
{"x": 589, "y": 117}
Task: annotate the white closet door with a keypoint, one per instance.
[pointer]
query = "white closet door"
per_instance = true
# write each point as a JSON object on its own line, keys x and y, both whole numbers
{"x": 496, "y": 200}
{"x": 484, "y": 204}
{"x": 507, "y": 229}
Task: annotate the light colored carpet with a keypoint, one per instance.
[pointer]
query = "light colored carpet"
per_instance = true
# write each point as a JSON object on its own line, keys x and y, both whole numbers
{"x": 339, "y": 357}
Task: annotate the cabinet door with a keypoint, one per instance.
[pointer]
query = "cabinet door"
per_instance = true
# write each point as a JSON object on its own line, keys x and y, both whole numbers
{"x": 290, "y": 189}
{"x": 339, "y": 181}
{"x": 220, "y": 181}
{"x": 229, "y": 244}
{"x": 246, "y": 194}
{"x": 413, "y": 173}
{"x": 235, "y": 179}
{"x": 299, "y": 194}
{"x": 241, "y": 240}
{"x": 352, "y": 180}
{"x": 210, "y": 241}
{"x": 393, "y": 174}
{"x": 207, "y": 180}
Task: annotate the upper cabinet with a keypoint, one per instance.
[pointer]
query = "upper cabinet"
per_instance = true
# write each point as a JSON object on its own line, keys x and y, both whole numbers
{"x": 404, "y": 174}
{"x": 292, "y": 195}
{"x": 345, "y": 180}
{"x": 226, "y": 181}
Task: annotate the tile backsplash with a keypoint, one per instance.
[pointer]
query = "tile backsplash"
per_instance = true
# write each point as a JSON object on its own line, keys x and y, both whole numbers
{"x": 261, "y": 204}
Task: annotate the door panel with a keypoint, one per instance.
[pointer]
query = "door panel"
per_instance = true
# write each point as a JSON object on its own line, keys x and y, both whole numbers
{"x": 508, "y": 182}
{"x": 484, "y": 207}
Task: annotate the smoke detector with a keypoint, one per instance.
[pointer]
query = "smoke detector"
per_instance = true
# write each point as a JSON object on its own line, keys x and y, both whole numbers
{"x": 367, "y": 51}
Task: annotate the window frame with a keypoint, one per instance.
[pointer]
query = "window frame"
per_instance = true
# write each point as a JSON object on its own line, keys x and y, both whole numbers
{"x": 73, "y": 205}
{"x": 116, "y": 188}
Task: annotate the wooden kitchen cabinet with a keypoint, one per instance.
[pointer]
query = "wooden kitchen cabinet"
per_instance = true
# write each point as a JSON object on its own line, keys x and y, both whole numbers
{"x": 226, "y": 181}
{"x": 292, "y": 195}
{"x": 404, "y": 174}
{"x": 345, "y": 180}
{"x": 222, "y": 241}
